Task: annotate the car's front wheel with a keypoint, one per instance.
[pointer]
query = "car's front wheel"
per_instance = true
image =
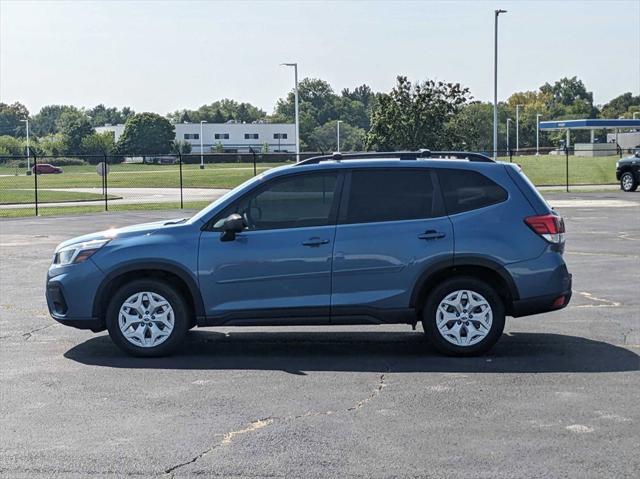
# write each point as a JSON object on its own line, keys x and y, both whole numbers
{"x": 463, "y": 317}
{"x": 147, "y": 318}
{"x": 628, "y": 182}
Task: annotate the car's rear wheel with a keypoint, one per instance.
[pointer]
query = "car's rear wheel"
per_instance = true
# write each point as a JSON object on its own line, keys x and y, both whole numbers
{"x": 463, "y": 317}
{"x": 147, "y": 318}
{"x": 628, "y": 182}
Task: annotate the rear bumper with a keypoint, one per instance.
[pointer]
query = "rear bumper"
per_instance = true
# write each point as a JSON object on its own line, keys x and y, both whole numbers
{"x": 543, "y": 304}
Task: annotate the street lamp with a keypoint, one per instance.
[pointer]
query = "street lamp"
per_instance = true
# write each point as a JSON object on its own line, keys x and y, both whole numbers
{"x": 338, "y": 133}
{"x": 518, "y": 128}
{"x": 538, "y": 115}
{"x": 508, "y": 149}
{"x": 201, "y": 147}
{"x": 295, "y": 72}
{"x": 26, "y": 120}
{"x": 495, "y": 85}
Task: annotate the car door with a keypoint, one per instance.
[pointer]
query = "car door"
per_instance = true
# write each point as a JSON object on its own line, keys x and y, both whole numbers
{"x": 391, "y": 229}
{"x": 279, "y": 267}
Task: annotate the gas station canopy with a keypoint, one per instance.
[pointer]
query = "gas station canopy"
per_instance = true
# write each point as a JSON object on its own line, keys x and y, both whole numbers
{"x": 590, "y": 124}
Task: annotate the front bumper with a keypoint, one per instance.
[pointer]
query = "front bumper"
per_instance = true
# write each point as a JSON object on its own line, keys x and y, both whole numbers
{"x": 70, "y": 292}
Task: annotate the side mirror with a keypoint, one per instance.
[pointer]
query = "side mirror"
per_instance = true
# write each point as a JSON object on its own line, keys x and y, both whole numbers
{"x": 232, "y": 225}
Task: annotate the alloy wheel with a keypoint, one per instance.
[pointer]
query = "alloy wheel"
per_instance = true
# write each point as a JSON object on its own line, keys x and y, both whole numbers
{"x": 464, "y": 317}
{"x": 627, "y": 181}
{"x": 146, "y": 319}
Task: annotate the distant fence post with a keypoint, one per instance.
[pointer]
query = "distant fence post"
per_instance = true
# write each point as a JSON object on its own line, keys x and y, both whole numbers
{"x": 105, "y": 172}
{"x": 181, "y": 194}
{"x": 566, "y": 156}
{"x": 35, "y": 180}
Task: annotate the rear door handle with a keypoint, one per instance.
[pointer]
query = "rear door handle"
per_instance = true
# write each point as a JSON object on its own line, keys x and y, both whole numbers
{"x": 315, "y": 242}
{"x": 431, "y": 235}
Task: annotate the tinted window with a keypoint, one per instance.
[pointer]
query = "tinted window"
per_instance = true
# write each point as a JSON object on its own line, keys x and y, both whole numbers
{"x": 465, "y": 190}
{"x": 294, "y": 202}
{"x": 389, "y": 195}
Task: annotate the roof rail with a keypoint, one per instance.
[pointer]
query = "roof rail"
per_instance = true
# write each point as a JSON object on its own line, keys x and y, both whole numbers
{"x": 402, "y": 155}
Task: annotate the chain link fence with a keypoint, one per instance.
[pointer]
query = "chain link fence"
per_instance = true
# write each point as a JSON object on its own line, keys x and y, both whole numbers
{"x": 51, "y": 185}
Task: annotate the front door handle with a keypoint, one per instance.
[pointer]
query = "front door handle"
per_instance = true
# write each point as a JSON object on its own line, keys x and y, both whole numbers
{"x": 315, "y": 242}
{"x": 431, "y": 235}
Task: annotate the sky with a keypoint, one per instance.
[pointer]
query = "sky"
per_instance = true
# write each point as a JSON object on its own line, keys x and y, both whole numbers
{"x": 166, "y": 55}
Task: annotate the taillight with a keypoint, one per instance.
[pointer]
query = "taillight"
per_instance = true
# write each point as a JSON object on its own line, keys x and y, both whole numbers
{"x": 550, "y": 227}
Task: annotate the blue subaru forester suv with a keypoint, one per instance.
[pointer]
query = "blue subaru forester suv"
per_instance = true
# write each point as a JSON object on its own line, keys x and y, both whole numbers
{"x": 450, "y": 239}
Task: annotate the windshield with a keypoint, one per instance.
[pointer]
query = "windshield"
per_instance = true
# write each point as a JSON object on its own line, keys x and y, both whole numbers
{"x": 204, "y": 213}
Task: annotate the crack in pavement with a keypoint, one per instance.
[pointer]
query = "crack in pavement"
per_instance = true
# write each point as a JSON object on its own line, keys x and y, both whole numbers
{"x": 228, "y": 437}
{"x": 28, "y": 334}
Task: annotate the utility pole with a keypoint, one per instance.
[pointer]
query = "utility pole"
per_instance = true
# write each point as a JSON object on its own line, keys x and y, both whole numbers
{"x": 201, "y": 147}
{"x": 538, "y": 115}
{"x": 338, "y": 133}
{"x": 495, "y": 85}
{"x": 26, "y": 121}
{"x": 295, "y": 73}
{"x": 518, "y": 128}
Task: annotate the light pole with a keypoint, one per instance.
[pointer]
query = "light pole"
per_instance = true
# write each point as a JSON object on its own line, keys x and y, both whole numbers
{"x": 201, "y": 147}
{"x": 538, "y": 115}
{"x": 495, "y": 85}
{"x": 338, "y": 133}
{"x": 518, "y": 128}
{"x": 508, "y": 149}
{"x": 295, "y": 72}
{"x": 26, "y": 120}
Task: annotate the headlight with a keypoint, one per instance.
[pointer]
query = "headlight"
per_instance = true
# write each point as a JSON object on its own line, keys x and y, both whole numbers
{"x": 78, "y": 252}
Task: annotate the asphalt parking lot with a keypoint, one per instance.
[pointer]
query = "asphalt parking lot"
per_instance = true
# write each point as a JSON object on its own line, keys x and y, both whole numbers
{"x": 557, "y": 397}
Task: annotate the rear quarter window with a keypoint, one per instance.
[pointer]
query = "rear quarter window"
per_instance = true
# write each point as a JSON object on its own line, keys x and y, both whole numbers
{"x": 465, "y": 190}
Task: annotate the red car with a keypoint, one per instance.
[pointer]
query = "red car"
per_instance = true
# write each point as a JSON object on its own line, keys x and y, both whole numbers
{"x": 46, "y": 168}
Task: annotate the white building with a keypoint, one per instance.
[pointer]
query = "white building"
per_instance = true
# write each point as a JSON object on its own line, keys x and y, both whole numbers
{"x": 233, "y": 137}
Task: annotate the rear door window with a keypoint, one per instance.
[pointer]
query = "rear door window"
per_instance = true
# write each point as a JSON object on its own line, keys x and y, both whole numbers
{"x": 465, "y": 190}
{"x": 397, "y": 194}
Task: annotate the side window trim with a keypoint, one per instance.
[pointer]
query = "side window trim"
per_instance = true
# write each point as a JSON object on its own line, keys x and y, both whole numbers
{"x": 437, "y": 208}
{"x": 333, "y": 212}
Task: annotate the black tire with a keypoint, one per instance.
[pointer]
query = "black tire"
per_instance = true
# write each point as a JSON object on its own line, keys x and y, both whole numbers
{"x": 181, "y": 318}
{"x": 625, "y": 184}
{"x": 429, "y": 316}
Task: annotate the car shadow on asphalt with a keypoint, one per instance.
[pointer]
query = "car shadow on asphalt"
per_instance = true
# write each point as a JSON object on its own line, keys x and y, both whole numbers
{"x": 297, "y": 352}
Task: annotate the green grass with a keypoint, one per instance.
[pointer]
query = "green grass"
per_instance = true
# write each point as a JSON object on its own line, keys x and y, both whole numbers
{"x": 216, "y": 175}
{"x": 12, "y": 196}
{"x": 547, "y": 170}
{"x": 543, "y": 170}
{"x": 85, "y": 209}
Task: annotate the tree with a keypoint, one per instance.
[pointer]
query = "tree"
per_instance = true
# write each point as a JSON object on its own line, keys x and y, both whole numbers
{"x": 74, "y": 125}
{"x": 219, "y": 112}
{"x": 471, "y": 128}
{"x": 567, "y": 90}
{"x": 411, "y": 116}
{"x": 180, "y": 147}
{"x": 11, "y": 119}
{"x": 52, "y": 145}
{"x": 99, "y": 143}
{"x": 10, "y": 146}
{"x": 324, "y": 138}
{"x": 622, "y": 105}
{"x": 146, "y": 133}
{"x": 46, "y": 121}
{"x": 101, "y": 115}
